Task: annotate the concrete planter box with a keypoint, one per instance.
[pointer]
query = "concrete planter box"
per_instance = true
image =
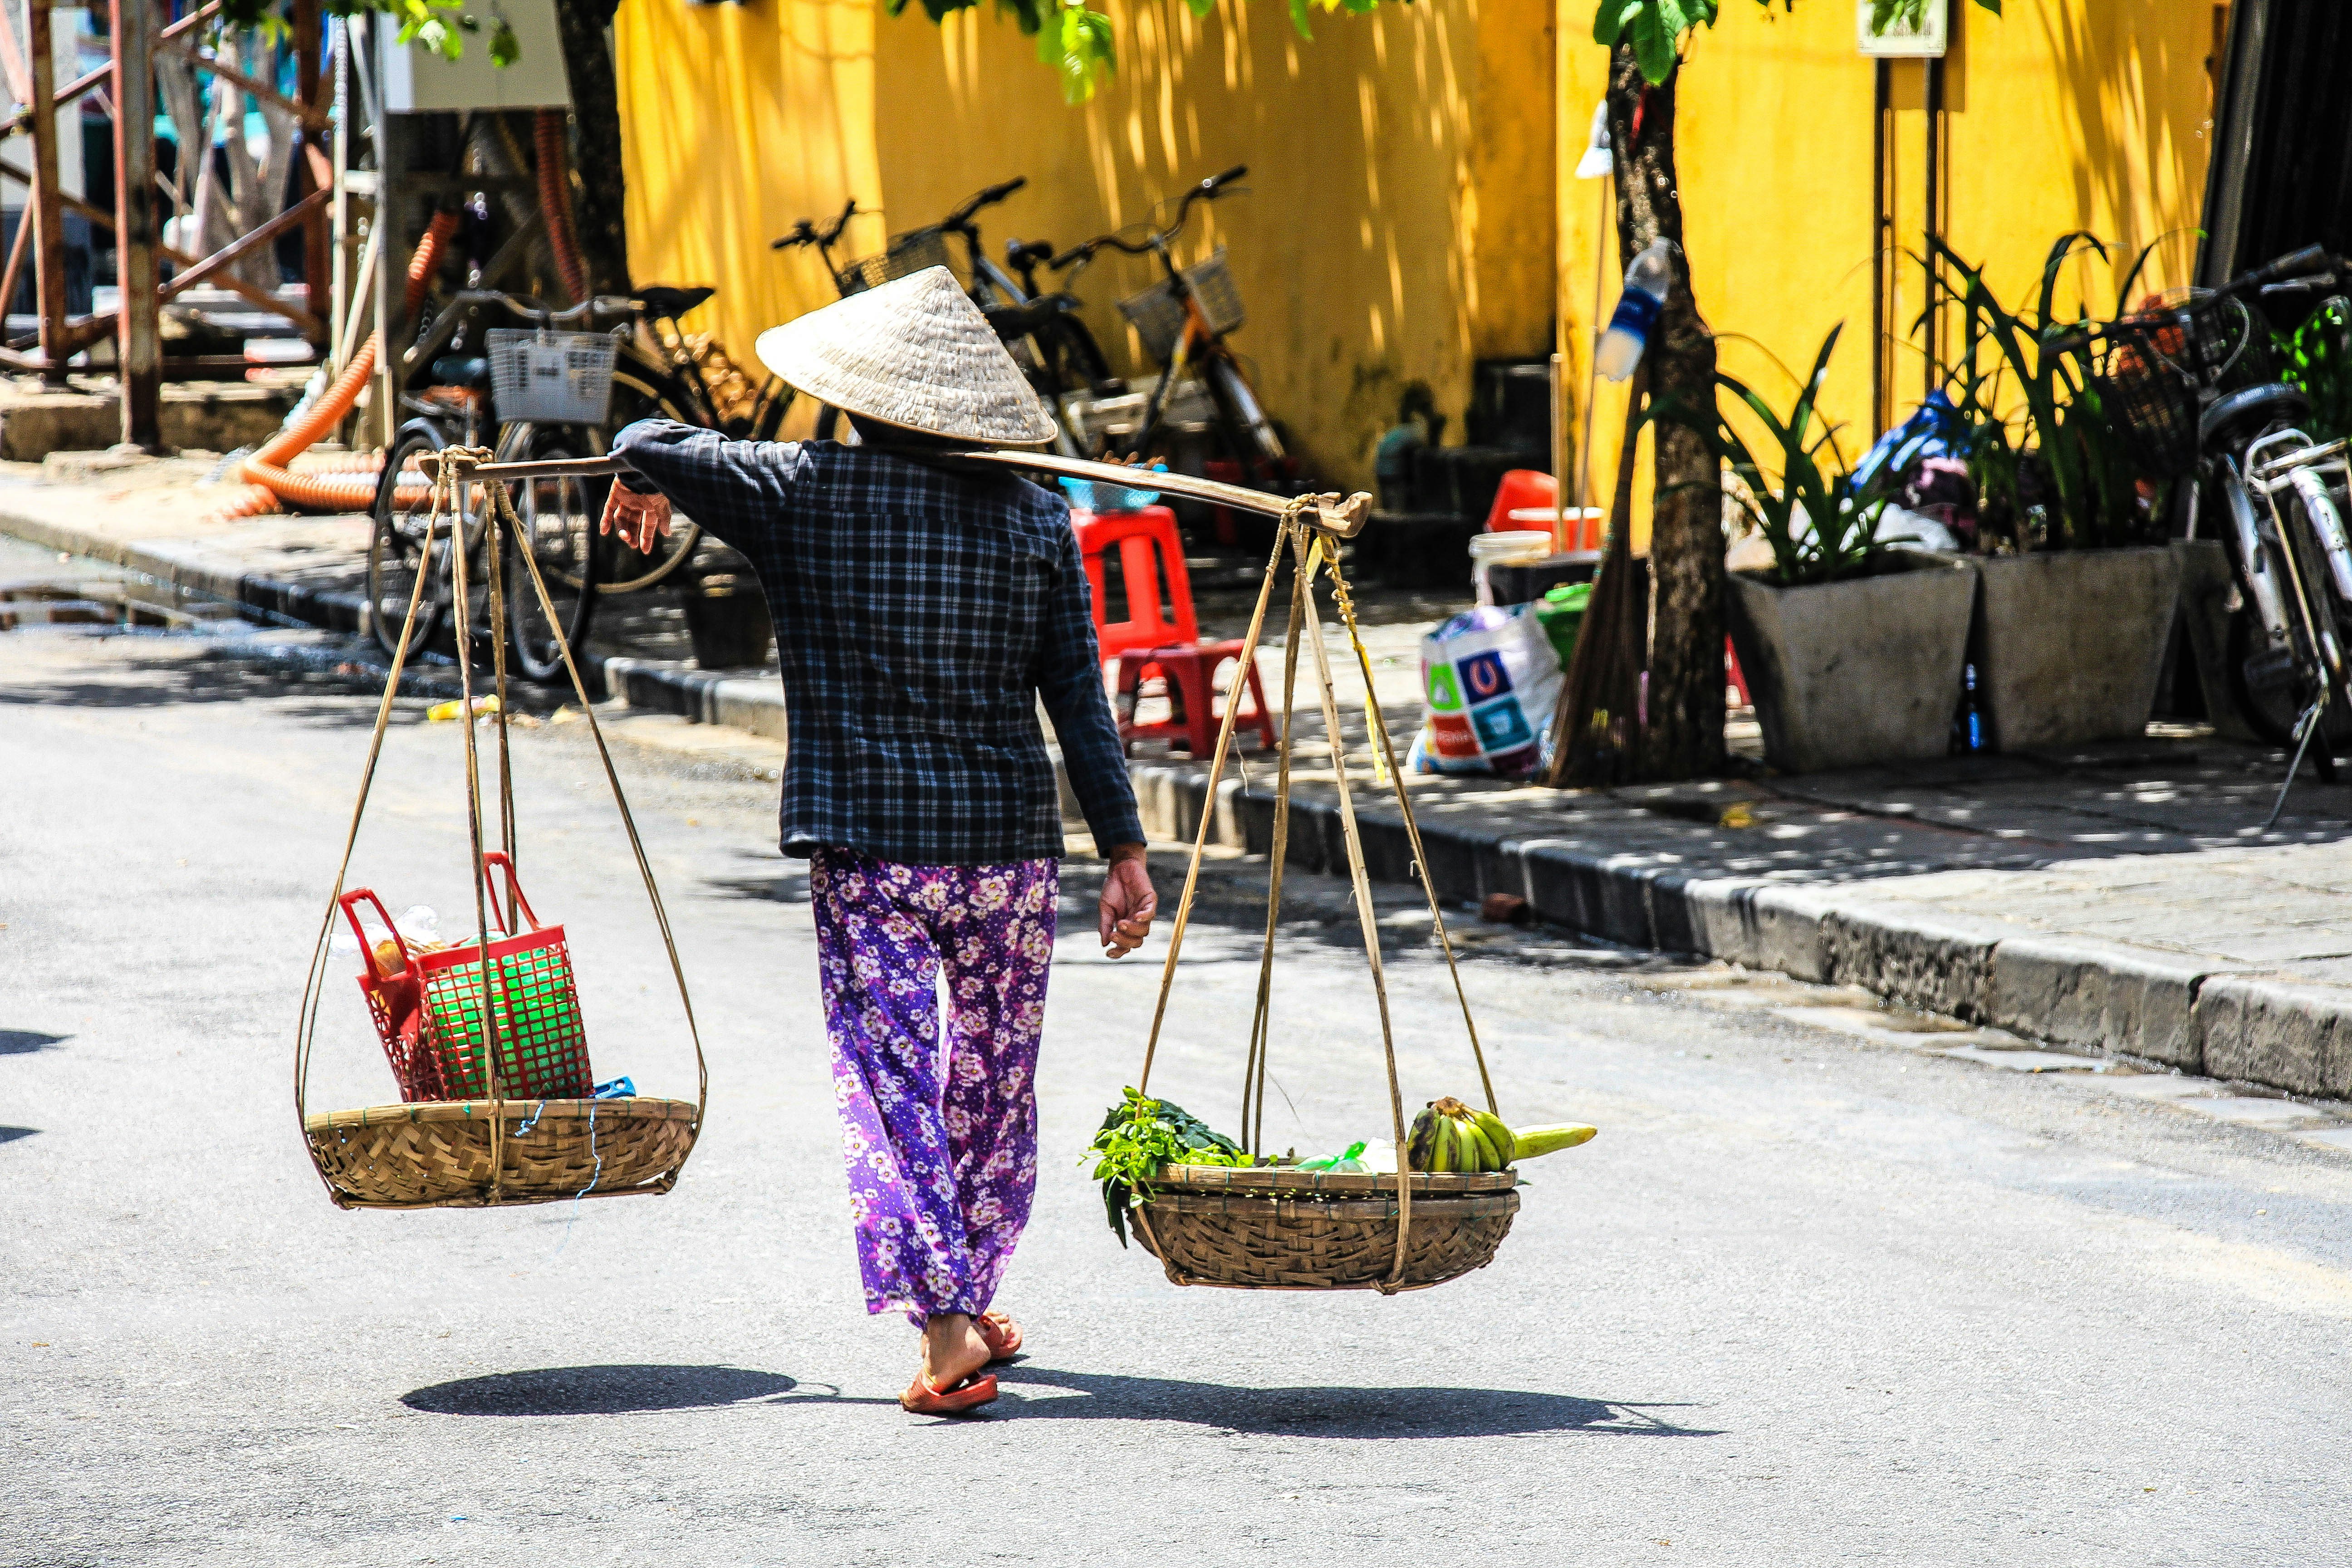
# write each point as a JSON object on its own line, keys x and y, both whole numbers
{"x": 1866, "y": 670}
{"x": 2073, "y": 643}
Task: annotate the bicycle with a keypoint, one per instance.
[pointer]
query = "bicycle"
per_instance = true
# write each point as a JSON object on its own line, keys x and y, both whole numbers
{"x": 1183, "y": 321}
{"x": 1041, "y": 330}
{"x": 2196, "y": 388}
{"x": 455, "y": 406}
{"x": 650, "y": 379}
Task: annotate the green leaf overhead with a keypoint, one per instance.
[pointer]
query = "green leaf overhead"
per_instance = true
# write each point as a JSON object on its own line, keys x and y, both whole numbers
{"x": 1612, "y": 18}
{"x": 1653, "y": 44}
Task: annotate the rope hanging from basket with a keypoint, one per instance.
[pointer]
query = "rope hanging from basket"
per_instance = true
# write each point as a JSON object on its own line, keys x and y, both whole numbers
{"x": 452, "y": 488}
{"x": 1313, "y": 552}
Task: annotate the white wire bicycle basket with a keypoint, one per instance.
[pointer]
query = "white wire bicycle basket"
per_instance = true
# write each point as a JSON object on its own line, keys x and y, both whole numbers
{"x": 1157, "y": 314}
{"x": 550, "y": 378}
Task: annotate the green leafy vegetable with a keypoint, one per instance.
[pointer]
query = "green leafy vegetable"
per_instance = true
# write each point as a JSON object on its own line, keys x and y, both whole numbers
{"x": 1140, "y": 1134}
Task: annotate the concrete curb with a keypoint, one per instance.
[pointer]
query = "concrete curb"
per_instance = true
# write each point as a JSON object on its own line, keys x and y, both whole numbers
{"x": 2081, "y": 993}
{"x": 273, "y": 598}
{"x": 709, "y": 696}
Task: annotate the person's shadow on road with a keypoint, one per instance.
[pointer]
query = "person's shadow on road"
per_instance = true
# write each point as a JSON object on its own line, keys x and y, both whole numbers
{"x": 1032, "y": 1393}
{"x": 597, "y": 1391}
{"x": 1322, "y": 1412}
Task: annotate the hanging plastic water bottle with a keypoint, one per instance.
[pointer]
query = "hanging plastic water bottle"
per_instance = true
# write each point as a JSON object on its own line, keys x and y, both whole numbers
{"x": 1647, "y": 282}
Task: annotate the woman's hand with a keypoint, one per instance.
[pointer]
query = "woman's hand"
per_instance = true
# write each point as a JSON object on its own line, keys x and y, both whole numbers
{"x": 1127, "y": 902}
{"x": 636, "y": 518}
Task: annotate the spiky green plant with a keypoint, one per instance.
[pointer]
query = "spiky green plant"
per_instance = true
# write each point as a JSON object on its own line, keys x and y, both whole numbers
{"x": 2057, "y": 473}
{"x": 1820, "y": 524}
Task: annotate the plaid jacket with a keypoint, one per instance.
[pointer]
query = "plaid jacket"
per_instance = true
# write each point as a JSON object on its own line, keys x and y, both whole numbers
{"x": 920, "y": 613}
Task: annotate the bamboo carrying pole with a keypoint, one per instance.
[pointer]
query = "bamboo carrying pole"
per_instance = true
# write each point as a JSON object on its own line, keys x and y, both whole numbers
{"x": 1342, "y": 518}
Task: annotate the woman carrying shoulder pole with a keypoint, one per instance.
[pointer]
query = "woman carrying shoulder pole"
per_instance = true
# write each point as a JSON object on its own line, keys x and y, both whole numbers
{"x": 923, "y": 609}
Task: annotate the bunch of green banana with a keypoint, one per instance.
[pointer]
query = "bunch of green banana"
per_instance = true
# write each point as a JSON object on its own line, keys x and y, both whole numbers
{"x": 1450, "y": 1136}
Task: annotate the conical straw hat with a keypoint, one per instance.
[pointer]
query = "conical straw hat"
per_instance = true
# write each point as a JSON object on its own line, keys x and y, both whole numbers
{"x": 915, "y": 352}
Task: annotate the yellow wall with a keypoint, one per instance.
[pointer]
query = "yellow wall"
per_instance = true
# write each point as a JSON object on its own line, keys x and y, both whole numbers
{"x": 2066, "y": 114}
{"x": 1399, "y": 221}
{"x": 737, "y": 121}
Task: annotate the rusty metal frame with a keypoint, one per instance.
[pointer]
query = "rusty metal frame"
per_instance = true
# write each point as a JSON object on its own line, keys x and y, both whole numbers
{"x": 135, "y": 38}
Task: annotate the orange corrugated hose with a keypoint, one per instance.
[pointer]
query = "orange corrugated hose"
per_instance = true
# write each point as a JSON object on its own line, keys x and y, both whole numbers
{"x": 268, "y": 484}
{"x": 548, "y": 129}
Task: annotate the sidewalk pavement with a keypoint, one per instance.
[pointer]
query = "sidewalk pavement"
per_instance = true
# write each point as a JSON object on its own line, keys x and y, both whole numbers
{"x": 2116, "y": 898}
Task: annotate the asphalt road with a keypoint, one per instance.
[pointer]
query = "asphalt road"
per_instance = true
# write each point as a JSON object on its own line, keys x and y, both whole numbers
{"x": 1806, "y": 1299}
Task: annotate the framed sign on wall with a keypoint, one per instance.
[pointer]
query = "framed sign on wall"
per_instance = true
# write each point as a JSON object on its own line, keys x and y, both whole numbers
{"x": 1903, "y": 29}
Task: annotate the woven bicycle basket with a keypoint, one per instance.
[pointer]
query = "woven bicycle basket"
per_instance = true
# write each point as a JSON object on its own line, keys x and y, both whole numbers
{"x": 1302, "y": 1230}
{"x": 484, "y": 1037}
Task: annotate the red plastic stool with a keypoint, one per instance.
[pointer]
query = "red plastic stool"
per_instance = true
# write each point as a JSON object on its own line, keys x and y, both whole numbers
{"x": 1191, "y": 674}
{"x": 1149, "y": 646}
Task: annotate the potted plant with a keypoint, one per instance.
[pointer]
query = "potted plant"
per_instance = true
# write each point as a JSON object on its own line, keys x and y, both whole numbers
{"x": 1852, "y": 650}
{"x": 2078, "y": 581}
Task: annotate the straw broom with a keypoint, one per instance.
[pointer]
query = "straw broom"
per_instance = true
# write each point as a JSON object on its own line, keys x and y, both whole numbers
{"x": 1596, "y": 732}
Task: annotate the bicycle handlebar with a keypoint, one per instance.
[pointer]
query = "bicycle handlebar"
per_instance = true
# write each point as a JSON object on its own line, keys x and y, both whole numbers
{"x": 2310, "y": 259}
{"x": 1207, "y": 190}
{"x": 587, "y": 310}
{"x": 961, "y": 217}
{"x": 806, "y": 232}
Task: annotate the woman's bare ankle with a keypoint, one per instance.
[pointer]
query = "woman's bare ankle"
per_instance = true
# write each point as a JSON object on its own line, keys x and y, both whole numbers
{"x": 953, "y": 1349}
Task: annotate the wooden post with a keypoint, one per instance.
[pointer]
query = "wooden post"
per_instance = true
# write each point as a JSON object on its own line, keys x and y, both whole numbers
{"x": 316, "y": 262}
{"x": 43, "y": 211}
{"x": 137, "y": 338}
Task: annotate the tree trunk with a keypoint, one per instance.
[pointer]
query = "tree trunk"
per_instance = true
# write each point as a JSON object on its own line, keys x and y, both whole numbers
{"x": 596, "y": 143}
{"x": 1683, "y": 735}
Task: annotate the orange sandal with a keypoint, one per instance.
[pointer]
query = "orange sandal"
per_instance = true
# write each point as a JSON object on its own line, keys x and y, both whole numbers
{"x": 922, "y": 1399}
{"x": 1000, "y": 1333}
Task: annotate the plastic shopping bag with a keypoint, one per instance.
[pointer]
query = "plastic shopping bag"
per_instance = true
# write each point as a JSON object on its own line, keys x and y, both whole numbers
{"x": 1490, "y": 678}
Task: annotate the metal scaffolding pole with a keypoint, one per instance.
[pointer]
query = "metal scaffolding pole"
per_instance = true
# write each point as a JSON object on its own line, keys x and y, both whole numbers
{"x": 42, "y": 210}
{"x": 137, "y": 338}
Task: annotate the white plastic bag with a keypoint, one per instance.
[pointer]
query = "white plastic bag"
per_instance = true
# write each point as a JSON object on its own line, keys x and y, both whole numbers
{"x": 1489, "y": 681}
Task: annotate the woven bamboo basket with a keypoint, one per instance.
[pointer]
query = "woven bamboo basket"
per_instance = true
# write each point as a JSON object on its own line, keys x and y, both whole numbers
{"x": 1309, "y": 1230}
{"x": 436, "y": 1154}
{"x": 1269, "y": 1228}
{"x": 518, "y": 1029}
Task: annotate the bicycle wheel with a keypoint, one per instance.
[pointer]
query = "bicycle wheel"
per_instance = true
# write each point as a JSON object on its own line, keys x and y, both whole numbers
{"x": 2326, "y": 627}
{"x": 775, "y": 405}
{"x": 1247, "y": 429}
{"x": 623, "y": 568}
{"x": 1070, "y": 358}
{"x": 2271, "y": 686}
{"x": 558, "y": 530}
{"x": 396, "y": 551}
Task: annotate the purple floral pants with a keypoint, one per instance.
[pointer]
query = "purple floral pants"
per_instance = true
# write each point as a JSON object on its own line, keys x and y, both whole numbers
{"x": 941, "y": 1141}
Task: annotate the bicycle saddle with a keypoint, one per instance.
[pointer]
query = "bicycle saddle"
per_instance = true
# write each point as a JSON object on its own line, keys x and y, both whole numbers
{"x": 472, "y": 371}
{"x": 2245, "y": 412}
{"x": 1035, "y": 251}
{"x": 664, "y": 302}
